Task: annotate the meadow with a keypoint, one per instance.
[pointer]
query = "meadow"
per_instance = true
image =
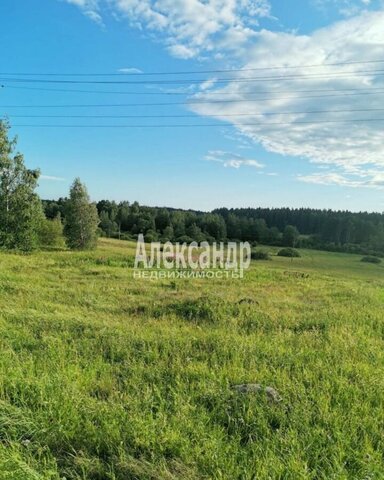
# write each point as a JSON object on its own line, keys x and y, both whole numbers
{"x": 107, "y": 377}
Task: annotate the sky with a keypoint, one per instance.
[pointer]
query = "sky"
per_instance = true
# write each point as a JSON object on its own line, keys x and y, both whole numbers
{"x": 199, "y": 103}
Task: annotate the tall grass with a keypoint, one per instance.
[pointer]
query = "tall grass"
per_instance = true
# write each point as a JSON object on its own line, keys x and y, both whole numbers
{"x": 103, "y": 376}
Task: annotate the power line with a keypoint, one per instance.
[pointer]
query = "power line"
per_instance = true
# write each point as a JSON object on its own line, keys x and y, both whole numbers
{"x": 249, "y": 114}
{"x": 197, "y": 81}
{"x": 185, "y": 125}
{"x": 189, "y": 102}
{"x": 185, "y": 94}
{"x": 191, "y": 72}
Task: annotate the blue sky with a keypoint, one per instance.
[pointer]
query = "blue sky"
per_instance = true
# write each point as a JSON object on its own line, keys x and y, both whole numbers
{"x": 299, "y": 161}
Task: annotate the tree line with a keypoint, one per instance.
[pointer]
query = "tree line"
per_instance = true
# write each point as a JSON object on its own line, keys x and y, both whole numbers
{"x": 320, "y": 229}
{"x": 27, "y": 222}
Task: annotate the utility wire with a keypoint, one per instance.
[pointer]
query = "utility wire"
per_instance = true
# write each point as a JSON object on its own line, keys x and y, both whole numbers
{"x": 185, "y": 125}
{"x": 205, "y": 115}
{"x": 189, "y": 102}
{"x": 13, "y": 87}
{"x": 233, "y": 80}
{"x": 191, "y": 72}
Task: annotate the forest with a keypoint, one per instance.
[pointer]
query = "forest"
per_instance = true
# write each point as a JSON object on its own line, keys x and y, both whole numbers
{"x": 339, "y": 231}
{"x": 27, "y": 222}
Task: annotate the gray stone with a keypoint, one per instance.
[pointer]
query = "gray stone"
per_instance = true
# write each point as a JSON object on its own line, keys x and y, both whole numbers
{"x": 270, "y": 392}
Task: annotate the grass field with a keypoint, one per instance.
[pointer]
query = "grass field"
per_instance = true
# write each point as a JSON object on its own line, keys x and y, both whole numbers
{"x": 103, "y": 376}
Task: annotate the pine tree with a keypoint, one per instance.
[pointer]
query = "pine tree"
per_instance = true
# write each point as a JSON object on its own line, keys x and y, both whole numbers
{"x": 21, "y": 211}
{"x": 81, "y": 220}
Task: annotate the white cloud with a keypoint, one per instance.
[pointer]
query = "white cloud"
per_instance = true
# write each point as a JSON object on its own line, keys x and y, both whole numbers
{"x": 80, "y": 3}
{"x": 276, "y": 102}
{"x": 232, "y": 160}
{"x": 182, "y": 51}
{"x": 347, "y": 8}
{"x": 372, "y": 179}
{"x": 207, "y": 84}
{"x": 130, "y": 70}
{"x": 52, "y": 178}
{"x": 279, "y": 123}
{"x": 90, "y": 8}
{"x": 188, "y": 28}
{"x": 94, "y": 16}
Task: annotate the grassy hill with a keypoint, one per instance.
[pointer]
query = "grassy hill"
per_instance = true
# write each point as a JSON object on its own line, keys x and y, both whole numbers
{"x": 103, "y": 376}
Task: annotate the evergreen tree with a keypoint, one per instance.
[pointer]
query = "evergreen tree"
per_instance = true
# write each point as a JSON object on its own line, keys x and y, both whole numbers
{"x": 81, "y": 220}
{"x": 21, "y": 211}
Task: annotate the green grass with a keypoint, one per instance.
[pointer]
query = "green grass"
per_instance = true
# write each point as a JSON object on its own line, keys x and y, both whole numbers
{"x": 103, "y": 376}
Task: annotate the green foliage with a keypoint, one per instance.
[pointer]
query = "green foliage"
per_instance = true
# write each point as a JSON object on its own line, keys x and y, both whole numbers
{"x": 361, "y": 233}
{"x": 288, "y": 252}
{"x": 151, "y": 236}
{"x": 81, "y": 219}
{"x": 290, "y": 236}
{"x": 168, "y": 234}
{"x": 260, "y": 255}
{"x": 162, "y": 219}
{"x": 371, "y": 259}
{"x": 107, "y": 224}
{"x": 51, "y": 233}
{"x": 21, "y": 211}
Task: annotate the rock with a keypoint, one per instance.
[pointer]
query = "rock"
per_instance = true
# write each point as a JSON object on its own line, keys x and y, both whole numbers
{"x": 248, "y": 388}
{"x": 270, "y": 392}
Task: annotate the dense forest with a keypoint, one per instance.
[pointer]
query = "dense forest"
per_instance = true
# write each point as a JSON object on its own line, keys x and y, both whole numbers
{"x": 304, "y": 227}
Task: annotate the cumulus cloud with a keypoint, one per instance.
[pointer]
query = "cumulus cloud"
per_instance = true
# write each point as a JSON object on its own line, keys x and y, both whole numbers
{"x": 329, "y": 115}
{"x": 232, "y": 160}
{"x": 284, "y": 106}
{"x": 191, "y": 27}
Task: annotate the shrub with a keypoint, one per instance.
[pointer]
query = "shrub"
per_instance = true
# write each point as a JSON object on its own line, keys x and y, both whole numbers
{"x": 260, "y": 255}
{"x": 51, "y": 233}
{"x": 371, "y": 259}
{"x": 151, "y": 236}
{"x": 288, "y": 252}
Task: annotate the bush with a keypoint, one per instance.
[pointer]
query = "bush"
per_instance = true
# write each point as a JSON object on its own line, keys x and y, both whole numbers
{"x": 151, "y": 236}
{"x": 51, "y": 233}
{"x": 288, "y": 252}
{"x": 371, "y": 259}
{"x": 260, "y": 255}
